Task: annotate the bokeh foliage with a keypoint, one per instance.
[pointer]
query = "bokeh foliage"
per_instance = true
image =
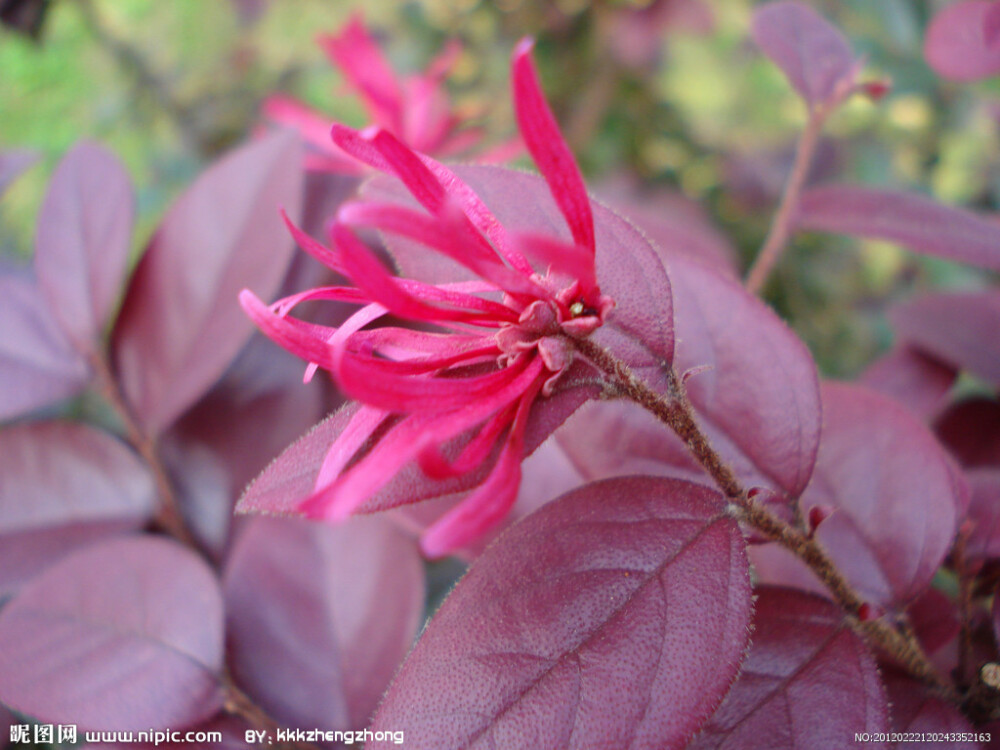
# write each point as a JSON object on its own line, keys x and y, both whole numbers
{"x": 167, "y": 86}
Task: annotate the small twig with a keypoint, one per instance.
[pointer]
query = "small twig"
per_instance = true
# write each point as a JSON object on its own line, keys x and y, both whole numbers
{"x": 781, "y": 226}
{"x": 168, "y": 516}
{"x": 674, "y": 410}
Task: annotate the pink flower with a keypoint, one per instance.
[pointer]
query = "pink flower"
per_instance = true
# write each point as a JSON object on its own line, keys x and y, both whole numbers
{"x": 501, "y": 341}
{"x": 416, "y": 109}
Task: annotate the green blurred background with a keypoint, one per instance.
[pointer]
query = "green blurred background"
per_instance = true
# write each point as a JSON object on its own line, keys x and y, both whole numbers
{"x": 685, "y": 104}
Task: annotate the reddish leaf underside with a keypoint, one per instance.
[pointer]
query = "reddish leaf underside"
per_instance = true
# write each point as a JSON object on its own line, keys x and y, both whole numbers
{"x": 63, "y": 484}
{"x": 958, "y": 43}
{"x": 181, "y": 324}
{"x": 918, "y": 223}
{"x": 320, "y": 617}
{"x": 615, "y": 616}
{"x": 123, "y": 635}
{"x": 892, "y": 489}
{"x": 83, "y": 240}
{"x": 38, "y": 366}
{"x": 960, "y": 328}
{"x": 808, "y": 682}
{"x": 810, "y": 51}
{"x": 918, "y": 381}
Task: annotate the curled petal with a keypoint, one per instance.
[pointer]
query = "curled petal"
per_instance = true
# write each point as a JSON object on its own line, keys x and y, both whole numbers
{"x": 545, "y": 143}
{"x": 448, "y": 235}
{"x": 405, "y": 442}
{"x": 407, "y": 394}
{"x": 491, "y": 501}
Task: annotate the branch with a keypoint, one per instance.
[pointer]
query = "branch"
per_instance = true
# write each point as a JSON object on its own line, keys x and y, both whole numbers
{"x": 781, "y": 226}
{"x": 674, "y": 410}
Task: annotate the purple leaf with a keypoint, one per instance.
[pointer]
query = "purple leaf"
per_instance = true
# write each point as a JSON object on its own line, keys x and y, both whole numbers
{"x": 808, "y": 682}
{"x": 38, "y": 366}
{"x": 671, "y": 220}
{"x": 991, "y": 25}
{"x": 639, "y": 329}
{"x": 917, "y": 709}
{"x": 984, "y": 511}
{"x": 921, "y": 224}
{"x": 83, "y": 239}
{"x": 958, "y": 43}
{"x": 181, "y": 325}
{"x": 919, "y": 382}
{"x": 63, "y": 484}
{"x": 960, "y": 328}
{"x": 258, "y": 408}
{"x": 319, "y": 618}
{"x": 971, "y": 431}
{"x": 125, "y": 635}
{"x": 810, "y": 51}
{"x": 758, "y": 400}
{"x": 12, "y": 163}
{"x": 615, "y": 616}
{"x": 230, "y": 435}
{"x": 895, "y": 500}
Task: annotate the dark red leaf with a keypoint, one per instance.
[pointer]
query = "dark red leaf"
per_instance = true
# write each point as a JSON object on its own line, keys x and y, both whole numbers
{"x": 960, "y": 328}
{"x": 917, "y": 709}
{"x": 896, "y": 501}
{"x": 920, "y": 224}
{"x": 808, "y": 682}
{"x": 991, "y": 25}
{"x": 971, "y": 431}
{"x": 12, "y": 163}
{"x": 181, "y": 324}
{"x": 758, "y": 400}
{"x": 934, "y": 618}
{"x": 957, "y": 44}
{"x": 319, "y": 618}
{"x": 615, "y": 616}
{"x": 83, "y": 239}
{"x": 919, "y": 382}
{"x": 38, "y": 366}
{"x": 810, "y": 51}
{"x": 124, "y": 635}
{"x": 63, "y": 484}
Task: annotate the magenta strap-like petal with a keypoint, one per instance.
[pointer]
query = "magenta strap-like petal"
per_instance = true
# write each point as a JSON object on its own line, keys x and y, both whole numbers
{"x": 545, "y": 143}
{"x": 484, "y": 508}
{"x": 404, "y": 442}
{"x": 362, "y": 63}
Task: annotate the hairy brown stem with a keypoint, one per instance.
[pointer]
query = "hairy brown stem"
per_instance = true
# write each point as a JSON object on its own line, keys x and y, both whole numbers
{"x": 674, "y": 410}
{"x": 781, "y": 226}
